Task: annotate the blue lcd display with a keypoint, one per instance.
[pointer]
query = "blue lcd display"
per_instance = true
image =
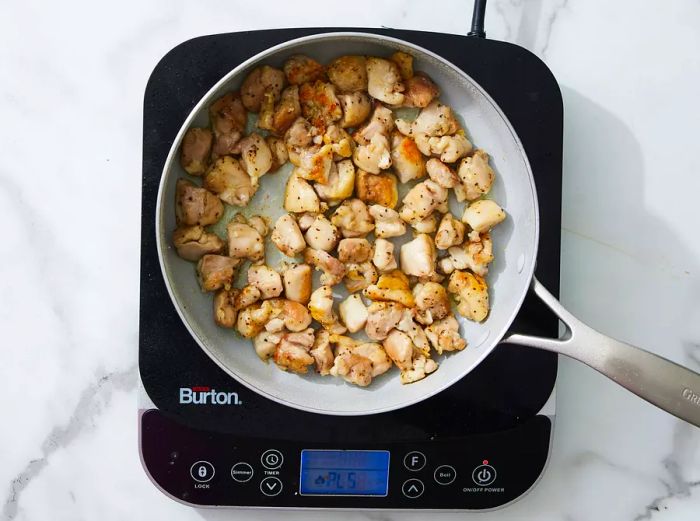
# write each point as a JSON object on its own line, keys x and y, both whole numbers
{"x": 344, "y": 472}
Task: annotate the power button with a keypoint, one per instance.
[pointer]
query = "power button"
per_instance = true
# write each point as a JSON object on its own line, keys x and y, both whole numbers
{"x": 484, "y": 475}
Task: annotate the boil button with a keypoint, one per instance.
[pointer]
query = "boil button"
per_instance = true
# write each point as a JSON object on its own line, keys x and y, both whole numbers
{"x": 445, "y": 474}
{"x": 412, "y": 488}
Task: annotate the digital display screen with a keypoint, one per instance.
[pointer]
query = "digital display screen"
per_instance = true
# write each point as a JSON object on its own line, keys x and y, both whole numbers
{"x": 344, "y": 472}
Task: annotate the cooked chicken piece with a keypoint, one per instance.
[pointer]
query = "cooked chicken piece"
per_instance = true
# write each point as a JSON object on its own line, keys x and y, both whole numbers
{"x": 420, "y": 368}
{"x": 382, "y": 317}
{"x": 294, "y": 316}
{"x": 449, "y": 148}
{"x": 483, "y": 215}
{"x": 322, "y": 352}
{"x": 195, "y": 150}
{"x": 354, "y": 250}
{"x": 427, "y": 225}
{"x": 356, "y": 107}
{"x": 387, "y": 221}
{"x": 252, "y": 319}
{"x": 227, "y": 179}
{"x": 278, "y": 151}
{"x": 297, "y": 283}
{"x": 287, "y": 236}
{"x": 353, "y": 368}
{"x": 414, "y": 332}
{"x": 278, "y": 117}
{"x": 381, "y": 363}
{"x": 292, "y": 353}
{"x": 340, "y": 184}
{"x": 406, "y": 158}
{"x": 359, "y": 276}
{"x": 450, "y": 232}
{"x": 353, "y": 218}
{"x": 319, "y": 104}
{"x": 321, "y": 306}
{"x": 460, "y": 192}
{"x": 266, "y": 342}
{"x": 322, "y": 235}
{"x": 261, "y": 80}
{"x": 299, "y": 196}
{"x": 441, "y": 173}
{"x": 216, "y": 271}
{"x": 384, "y": 81}
{"x": 418, "y": 256}
{"x": 299, "y": 134}
{"x": 348, "y": 73}
{"x": 228, "y": 119}
{"x": 399, "y": 347}
{"x": 256, "y": 156}
{"x": 420, "y": 91}
{"x": 382, "y": 122}
{"x": 476, "y": 174}
{"x": 375, "y": 156}
{"x": 343, "y": 345}
{"x": 244, "y": 241}
{"x": 267, "y": 280}
{"x": 225, "y": 312}
{"x": 305, "y": 220}
{"x": 432, "y": 302}
{"x": 259, "y": 223}
{"x": 475, "y": 254}
{"x": 445, "y": 265}
{"x": 333, "y": 269}
{"x": 437, "y": 119}
{"x": 405, "y": 64}
{"x": 301, "y": 69}
{"x": 379, "y": 189}
{"x": 192, "y": 242}
{"x": 341, "y": 142}
{"x": 247, "y": 296}
{"x": 391, "y": 286}
{"x": 444, "y": 335}
{"x": 353, "y": 313}
{"x": 195, "y": 205}
{"x": 384, "y": 258}
{"x": 471, "y": 294}
{"x": 422, "y": 200}
{"x": 315, "y": 163}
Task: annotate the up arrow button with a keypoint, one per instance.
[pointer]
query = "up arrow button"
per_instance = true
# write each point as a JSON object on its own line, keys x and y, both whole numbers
{"x": 412, "y": 488}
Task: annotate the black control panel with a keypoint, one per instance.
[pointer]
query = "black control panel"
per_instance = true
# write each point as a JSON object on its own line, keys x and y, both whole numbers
{"x": 475, "y": 472}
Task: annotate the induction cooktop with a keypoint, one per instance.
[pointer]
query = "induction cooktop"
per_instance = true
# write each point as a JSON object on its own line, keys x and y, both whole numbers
{"x": 206, "y": 440}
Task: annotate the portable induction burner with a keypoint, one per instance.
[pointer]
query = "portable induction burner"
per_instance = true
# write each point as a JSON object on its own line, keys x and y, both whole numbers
{"x": 206, "y": 440}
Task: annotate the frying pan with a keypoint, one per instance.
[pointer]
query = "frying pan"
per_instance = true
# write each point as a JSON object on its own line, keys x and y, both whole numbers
{"x": 661, "y": 382}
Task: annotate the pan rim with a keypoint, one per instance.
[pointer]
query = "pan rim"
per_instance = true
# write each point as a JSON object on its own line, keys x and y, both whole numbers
{"x": 161, "y": 241}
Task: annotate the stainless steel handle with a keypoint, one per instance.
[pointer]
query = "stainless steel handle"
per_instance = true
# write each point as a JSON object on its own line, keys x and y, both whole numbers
{"x": 673, "y": 388}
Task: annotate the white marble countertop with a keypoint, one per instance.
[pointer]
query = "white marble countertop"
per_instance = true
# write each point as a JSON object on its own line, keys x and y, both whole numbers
{"x": 71, "y": 86}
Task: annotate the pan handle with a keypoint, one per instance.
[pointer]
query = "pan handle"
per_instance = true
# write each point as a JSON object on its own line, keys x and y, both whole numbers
{"x": 666, "y": 384}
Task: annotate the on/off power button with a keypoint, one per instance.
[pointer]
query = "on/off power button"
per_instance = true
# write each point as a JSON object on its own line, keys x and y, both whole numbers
{"x": 484, "y": 474}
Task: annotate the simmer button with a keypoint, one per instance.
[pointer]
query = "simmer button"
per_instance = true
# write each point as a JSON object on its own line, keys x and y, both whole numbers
{"x": 242, "y": 472}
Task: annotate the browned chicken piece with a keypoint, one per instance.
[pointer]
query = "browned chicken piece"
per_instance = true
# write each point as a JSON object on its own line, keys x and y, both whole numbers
{"x": 322, "y": 235}
{"x": 195, "y": 205}
{"x": 471, "y": 293}
{"x": 375, "y": 352}
{"x": 333, "y": 270}
{"x": 340, "y": 184}
{"x": 302, "y": 69}
{"x": 399, "y": 347}
{"x": 437, "y": 119}
{"x": 322, "y": 352}
{"x": 227, "y": 179}
{"x": 432, "y": 302}
{"x": 382, "y": 122}
{"x": 192, "y": 242}
{"x": 261, "y": 80}
{"x": 353, "y": 313}
{"x": 225, "y": 312}
{"x": 384, "y": 258}
{"x": 305, "y": 220}
{"x": 460, "y": 192}
{"x": 299, "y": 196}
{"x": 246, "y": 296}
{"x": 359, "y": 276}
{"x": 407, "y": 160}
{"x": 441, "y": 173}
{"x": 414, "y": 331}
{"x": 354, "y": 250}
{"x": 244, "y": 241}
{"x": 267, "y": 280}
{"x": 319, "y": 104}
{"x": 450, "y": 232}
{"x": 475, "y": 254}
{"x": 256, "y": 156}
{"x": 292, "y": 353}
{"x": 252, "y": 319}
{"x": 382, "y": 317}
{"x": 294, "y": 316}
{"x": 266, "y": 342}
{"x": 405, "y": 63}
{"x": 353, "y": 368}
{"x": 375, "y": 156}
{"x": 444, "y": 335}
{"x": 387, "y": 222}
{"x": 420, "y": 91}
{"x": 427, "y": 225}
{"x": 278, "y": 117}
{"x": 195, "y": 150}
{"x": 216, "y": 271}
{"x": 356, "y": 107}
{"x": 448, "y": 148}
{"x": 321, "y": 306}
{"x": 341, "y": 142}
{"x": 422, "y": 200}
{"x": 287, "y": 236}
{"x": 279, "y": 152}
{"x": 315, "y": 163}
{"x": 348, "y": 73}
{"x": 418, "y": 256}
{"x": 384, "y": 81}
{"x": 298, "y": 135}
{"x": 297, "y": 283}
{"x": 353, "y": 218}
{"x": 228, "y": 119}
{"x": 420, "y": 368}
{"x": 259, "y": 223}
{"x": 482, "y": 215}
{"x": 476, "y": 174}
{"x": 393, "y": 287}
{"x": 379, "y": 189}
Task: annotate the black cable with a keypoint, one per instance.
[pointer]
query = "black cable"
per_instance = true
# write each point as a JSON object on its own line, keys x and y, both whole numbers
{"x": 478, "y": 19}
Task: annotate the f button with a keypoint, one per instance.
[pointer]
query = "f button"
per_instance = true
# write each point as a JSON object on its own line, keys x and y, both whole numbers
{"x": 414, "y": 461}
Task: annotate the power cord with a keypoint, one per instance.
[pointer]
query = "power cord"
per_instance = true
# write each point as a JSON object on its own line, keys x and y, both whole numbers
{"x": 478, "y": 19}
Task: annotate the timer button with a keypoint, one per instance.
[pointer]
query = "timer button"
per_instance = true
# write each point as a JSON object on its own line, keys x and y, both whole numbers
{"x": 271, "y": 486}
{"x": 272, "y": 459}
{"x": 445, "y": 474}
{"x": 414, "y": 461}
{"x": 412, "y": 488}
{"x": 484, "y": 475}
{"x": 242, "y": 472}
{"x": 202, "y": 471}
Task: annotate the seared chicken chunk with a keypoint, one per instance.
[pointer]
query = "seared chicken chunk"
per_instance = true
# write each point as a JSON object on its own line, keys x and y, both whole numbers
{"x": 399, "y": 347}
{"x": 225, "y": 312}
{"x": 255, "y": 156}
{"x": 379, "y": 189}
{"x": 315, "y": 163}
{"x": 384, "y": 81}
{"x": 278, "y": 152}
{"x": 391, "y": 286}
{"x": 261, "y": 80}
{"x": 322, "y": 352}
{"x": 387, "y": 222}
{"x": 302, "y": 69}
{"x": 441, "y": 173}
{"x": 437, "y": 119}
{"x": 353, "y": 313}
{"x": 294, "y": 316}
{"x": 340, "y": 184}
{"x": 420, "y": 368}
{"x": 384, "y": 258}
{"x": 321, "y": 306}
{"x": 382, "y": 122}
{"x": 227, "y": 179}
{"x": 382, "y": 317}
{"x": 483, "y": 215}
{"x": 422, "y": 200}
{"x": 293, "y": 352}
{"x": 432, "y": 302}
{"x": 414, "y": 331}
{"x": 354, "y": 250}
{"x": 420, "y": 91}
{"x": 252, "y": 319}
{"x": 267, "y": 280}
{"x": 476, "y": 174}
{"x": 356, "y": 106}
{"x": 265, "y": 343}
{"x": 287, "y": 236}
{"x": 278, "y": 117}
{"x": 381, "y": 363}
{"x": 448, "y": 148}
{"x": 297, "y": 283}
{"x": 195, "y": 205}
{"x": 333, "y": 270}
{"x": 405, "y": 63}
{"x": 322, "y": 235}
{"x": 358, "y": 276}
{"x": 299, "y": 196}
{"x": 195, "y": 150}
{"x": 353, "y": 368}
{"x": 228, "y": 119}
{"x": 353, "y": 218}
{"x": 340, "y": 141}
{"x": 475, "y": 254}
{"x": 471, "y": 294}
{"x": 418, "y": 256}
{"x": 319, "y": 103}
{"x": 450, "y": 232}
{"x": 216, "y": 271}
{"x": 305, "y": 220}
{"x": 348, "y": 73}
{"x": 247, "y": 296}
{"x": 444, "y": 335}
{"x": 298, "y": 135}
{"x": 244, "y": 241}
{"x": 375, "y": 156}
{"x": 406, "y": 158}
{"x": 427, "y": 225}
{"x": 192, "y": 242}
